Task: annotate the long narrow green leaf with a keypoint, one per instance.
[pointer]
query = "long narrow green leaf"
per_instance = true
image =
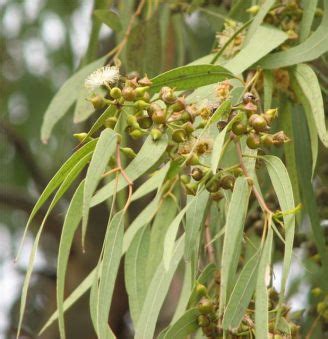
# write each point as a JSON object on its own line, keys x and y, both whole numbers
{"x": 261, "y": 297}
{"x": 185, "y": 325}
{"x": 307, "y": 19}
{"x": 110, "y": 264}
{"x": 195, "y": 218}
{"x": 283, "y": 188}
{"x": 109, "y": 18}
{"x": 312, "y": 48}
{"x": 311, "y": 92}
{"x": 104, "y": 150}
{"x": 241, "y": 294}
{"x": 135, "y": 271}
{"x": 270, "y": 39}
{"x": 156, "y": 294}
{"x": 264, "y": 9}
{"x": 162, "y": 221}
{"x": 62, "y": 189}
{"x": 71, "y": 222}
{"x": 65, "y": 98}
{"x": 190, "y": 77}
{"x": 148, "y": 155}
{"x": 57, "y": 179}
{"x": 233, "y": 234}
{"x": 268, "y": 89}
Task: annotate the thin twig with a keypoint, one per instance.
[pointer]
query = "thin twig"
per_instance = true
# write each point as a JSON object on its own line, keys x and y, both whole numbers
{"x": 313, "y": 326}
{"x": 209, "y": 244}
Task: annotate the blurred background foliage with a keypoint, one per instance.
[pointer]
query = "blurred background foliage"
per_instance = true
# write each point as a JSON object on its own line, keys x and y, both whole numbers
{"x": 42, "y": 43}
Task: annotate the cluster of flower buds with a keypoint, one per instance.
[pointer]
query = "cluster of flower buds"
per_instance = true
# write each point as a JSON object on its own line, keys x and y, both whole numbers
{"x": 322, "y": 305}
{"x": 257, "y": 126}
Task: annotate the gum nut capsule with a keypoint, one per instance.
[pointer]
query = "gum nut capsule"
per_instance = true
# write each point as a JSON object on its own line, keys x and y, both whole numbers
{"x": 203, "y": 321}
{"x": 188, "y": 127}
{"x": 156, "y": 134}
{"x": 141, "y": 104}
{"x": 185, "y": 178}
{"x": 145, "y": 81}
{"x": 267, "y": 140}
{"x": 248, "y": 97}
{"x": 239, "y": 128}
{"x": 191, "y": 188}
{"x": 129, "y": 152}
{"x": 153, "y": 107}
{"x": 115, "y": 93}
{"x": 97, "y": 102}
{"x": 179, "y": 105}
{"x": 136, "y": 134}
{"x": 253, "y": 141}
{"x": 145, "y": 122}
{"x": 129, "y": 93}
{"x": 227, "y": 182}
{"x": 179, "y": 135}
{"x": 110, "y": 122}
{"x": 192, "y": 159}
{"x": 167, "y": 95}
{"x": 258, "y": 122}
{"x": 159, "y": 117}
{"x": 205, "y": 306}
{"x": 197, "y": 174}
{"x": 217, "y": 196}
{"x": 212, "y": 186}
{"x": 132, "y": 121}
{"x": 201, "y": 290}
{"x": 140, "y": 91}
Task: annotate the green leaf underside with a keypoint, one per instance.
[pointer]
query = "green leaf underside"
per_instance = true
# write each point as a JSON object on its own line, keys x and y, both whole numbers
{"x": 233, "y": 235}
{"x": 57, "y": 179}
{"x": 110, "y": 263}
{"x": 104, "y": 150}
{"x": 71, "y": 222}
{"x": 71, "y": 176}
{"x": 109, "y": 18}
{"x": 65, "y": 98}
{"x": 283, "y": 188}
{"x": 307, "y": 19}
{"x": 190, "y": 77}
{"x": 241, "y": 294}
{"x": 261, "y": 297}
{"x": 148, "y": 155}
{"x": 312, "y": 48}
{"x": 185, "y": 325}
{"x": 156, "y": 293}
{"x": 311, "y": 95}
{"x": 135, "y": 271}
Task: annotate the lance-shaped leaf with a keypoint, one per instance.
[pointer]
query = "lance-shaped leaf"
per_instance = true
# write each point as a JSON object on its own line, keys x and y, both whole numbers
{"x": 135, "y": 271}
{"x": 190, "y": 77}
{"x": 110, "y": 264}
{"x": 261, "y": 295}
{"x": 156, "y": 294}
{"x": 57, "y": 179}
{"x": 65, "y": 98}
{"x": 62, "y": 189}
{"x": 312, "y": 48}
{"x": 241, "y": 294}
{"x": 147, "y": 157}
{"x": 233, "y": 235}
{"x": 195, "y": 218}
{"x": 268, "y": 89}
{"x": 222, "y": 112}
{"x": 311, "y": 92}
{"x": 185, "y": 325}
{"x": 109, "y": 18}
{"x": 104, "y": 150}
{"x": 270, "y": 39}
{"x": 71, "y": 222}
{"x": 283, "y": 188}
{"x": 307, "y": 19}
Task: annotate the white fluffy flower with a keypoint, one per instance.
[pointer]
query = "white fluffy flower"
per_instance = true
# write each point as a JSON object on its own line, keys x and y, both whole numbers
{"x": 102, "y": 76}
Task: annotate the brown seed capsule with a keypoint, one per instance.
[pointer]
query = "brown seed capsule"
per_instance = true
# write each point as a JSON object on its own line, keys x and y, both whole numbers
{"x": 267, "y": 140}
{"x": 167, "y": 95}
{"x": 217, "y": 196}
{"x": 153, "y": 107}
{"x": 227, "y": 182}
{"x": 179, "y": 105}
{"x": 253, "y": 141}
{"x": 212, "y": 185}
{"x": 159, "y": 117}
{"x": 145, "y": 81}
{"x": 280, "y": 138}
{"x": 239, "y": 128}
{"x": 97, "y": 102}
{"x": 248, "y": 97}
{"x": 129, "y": 93}
{"x": 179, "y": 135}
{"x": 258, "y": 122}
{"x": 197, "y": 174}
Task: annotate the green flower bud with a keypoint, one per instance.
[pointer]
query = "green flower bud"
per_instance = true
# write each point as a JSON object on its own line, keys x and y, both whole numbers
{"x": 191, "y": 188}
{"x": 128, "y": 152}
{"x": 82, "y": 137}
{"x": 110, "y": 122}
{"x": 321, "y": 307}
{"x": 239, "y": 128}
{"x": 179, "y": 105}
{"x": 201, "y": 290}
{"x": 217, "y": 196}
{"x": 97, "y": 102}
{"x": 115, "y": 93}
{"x": 316, "y": 291}
{"x": 205, "y": 307}
{"x": 153, "y": 107}
{"x": 156, "y": 134}
{"x": 258, "y": 123}
{"x": 188, "y": 127}
{"x": 159, "y": 117}
{"x": 203, "y": 321}
{"x": 132, "y": 121}
{"x": 185, "y": 179}
{"x": 140, "y": 104}
{"x": 267, "y": 140}
{"x": 253, "y": 9}
{"x": 179, "y": 135}
{"x": 136, "y": 134}
{"x": 212, "y": 185}
{"x": 140, "y": 91}
{"x": 145, "y": 122}
{"x": 192, "y": 159}
{"x": 253, "y": 141}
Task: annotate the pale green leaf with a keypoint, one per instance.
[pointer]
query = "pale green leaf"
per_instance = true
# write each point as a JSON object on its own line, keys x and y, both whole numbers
{"x": 148, "y": 155}
{"x": 71, "y": 222}
{"x": 241, "y": 294}
{"x": 109, "y": 18}
{"x": 307, "y": 18}
{"x": 104, "y": 150}
{"x": 185, "y": 325}
{"x": 110, "y": 263}
{"x": 268, "y": 89}
{"x": 135, "y": 271}
{"x": 65, "y": 97}
{"x": 233, "y": 235}
{"x": 156, "y": 294}
{"x": 261, "y": 296}
{"x": 221, "y": 113}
